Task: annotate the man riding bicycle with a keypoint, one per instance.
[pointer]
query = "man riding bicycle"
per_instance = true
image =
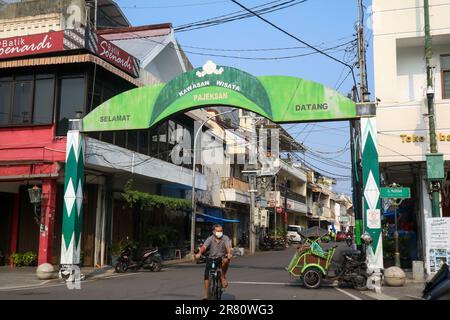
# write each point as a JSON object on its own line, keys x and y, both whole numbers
{"x": 216, "y": 246}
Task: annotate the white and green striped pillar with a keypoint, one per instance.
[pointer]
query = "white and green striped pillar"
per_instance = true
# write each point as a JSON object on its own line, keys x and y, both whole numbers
{"x": 371, "y": 199}
{"x": 73, "y": 199}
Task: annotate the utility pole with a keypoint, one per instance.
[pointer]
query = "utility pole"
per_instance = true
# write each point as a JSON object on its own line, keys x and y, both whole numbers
{"x": 355, "y": 127}
{"x": 285, "y": 202}
{"x": 252, "y": 173}
{"x": 434, "y": 184}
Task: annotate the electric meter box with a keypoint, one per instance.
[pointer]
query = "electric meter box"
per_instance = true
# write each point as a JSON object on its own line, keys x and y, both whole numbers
{"x": 435, "y": 166}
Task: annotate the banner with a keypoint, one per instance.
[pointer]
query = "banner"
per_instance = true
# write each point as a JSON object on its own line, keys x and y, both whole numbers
{"x": 438, "y": 243}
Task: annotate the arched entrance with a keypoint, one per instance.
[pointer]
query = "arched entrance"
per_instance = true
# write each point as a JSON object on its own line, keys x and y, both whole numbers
{"x": 278, "y": 98}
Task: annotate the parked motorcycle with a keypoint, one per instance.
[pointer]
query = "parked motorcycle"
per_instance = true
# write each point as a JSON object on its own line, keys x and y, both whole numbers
{"x": 150, "y": 259}
{"x": 349, "y": 240}
{"x": 199, "y": 243}
{"x": 269, "y": 243}
{"x": 439, "y": 286}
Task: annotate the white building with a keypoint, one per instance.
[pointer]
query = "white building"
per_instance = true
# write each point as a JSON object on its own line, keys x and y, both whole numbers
{"x": 401, "y": 85}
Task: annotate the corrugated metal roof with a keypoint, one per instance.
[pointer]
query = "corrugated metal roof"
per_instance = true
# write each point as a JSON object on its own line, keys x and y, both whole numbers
{"x": 139, "y": 41}
{"x": 140, "y": 47}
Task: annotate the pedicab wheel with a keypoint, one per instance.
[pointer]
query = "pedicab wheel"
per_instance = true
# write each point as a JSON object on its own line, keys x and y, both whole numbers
{"x": 312, "y": 278}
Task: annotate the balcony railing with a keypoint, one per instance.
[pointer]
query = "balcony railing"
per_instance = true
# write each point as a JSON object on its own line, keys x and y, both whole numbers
{"x": 234, "y": 183}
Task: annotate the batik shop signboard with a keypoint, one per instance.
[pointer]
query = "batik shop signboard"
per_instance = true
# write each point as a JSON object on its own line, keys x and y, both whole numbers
{"x": 438, "y": 243}
{"x": 30, "y": 45}
{"x": 70, "y": 39}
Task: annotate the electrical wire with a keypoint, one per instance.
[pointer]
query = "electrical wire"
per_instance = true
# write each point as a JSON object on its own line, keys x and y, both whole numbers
{"x": 299, "y": 40}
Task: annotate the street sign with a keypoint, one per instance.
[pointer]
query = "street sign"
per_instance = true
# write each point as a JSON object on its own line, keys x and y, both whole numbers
{"x": 396, "y": 193}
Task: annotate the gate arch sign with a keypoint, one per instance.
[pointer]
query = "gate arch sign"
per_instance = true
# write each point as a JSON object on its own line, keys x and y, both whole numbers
{"x": 278, "y": 98}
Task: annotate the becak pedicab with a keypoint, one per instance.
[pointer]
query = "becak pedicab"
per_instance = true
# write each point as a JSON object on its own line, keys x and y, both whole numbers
{"x": 311, "y": 263}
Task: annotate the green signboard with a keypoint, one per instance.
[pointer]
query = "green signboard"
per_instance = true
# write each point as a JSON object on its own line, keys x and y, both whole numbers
{"x": 280, "y": 99}
{"x": 395, "y": 193}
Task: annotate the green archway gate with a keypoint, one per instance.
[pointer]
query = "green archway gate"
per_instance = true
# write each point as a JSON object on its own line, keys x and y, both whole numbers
{"x": 278, "y": 98}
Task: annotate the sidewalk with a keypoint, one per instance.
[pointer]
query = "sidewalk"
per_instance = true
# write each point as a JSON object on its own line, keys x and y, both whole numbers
{"x": 412, "y": 290}
{"x": 25, "y": 277}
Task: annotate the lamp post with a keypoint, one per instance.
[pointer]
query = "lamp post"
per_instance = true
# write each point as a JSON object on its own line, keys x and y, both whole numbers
{"x": 193, "y": 202}
{"x": 35, "y": 195}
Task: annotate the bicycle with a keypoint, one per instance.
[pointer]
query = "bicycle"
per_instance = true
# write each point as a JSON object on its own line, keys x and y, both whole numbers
{"x": 214, "y": 279}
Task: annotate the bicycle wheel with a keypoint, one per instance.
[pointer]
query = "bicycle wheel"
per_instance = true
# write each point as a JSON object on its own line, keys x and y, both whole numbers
{"x": 212, "y": 287}
{"x": 218, "y": 286}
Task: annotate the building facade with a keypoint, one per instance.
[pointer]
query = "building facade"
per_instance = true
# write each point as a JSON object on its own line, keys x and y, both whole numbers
{"x": 402, "y": 113}
{"x": 52, "y": 73}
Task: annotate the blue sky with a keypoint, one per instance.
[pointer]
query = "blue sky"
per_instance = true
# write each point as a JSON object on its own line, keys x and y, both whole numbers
{"x": 324, "y": 23}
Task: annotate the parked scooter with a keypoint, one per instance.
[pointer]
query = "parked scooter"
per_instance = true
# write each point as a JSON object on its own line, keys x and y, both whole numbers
{"x": 150, "y": 259}
{"x": 269, "y": 243}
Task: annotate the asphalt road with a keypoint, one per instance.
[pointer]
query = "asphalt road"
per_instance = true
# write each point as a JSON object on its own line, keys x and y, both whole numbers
{"x": 258, "y": 277}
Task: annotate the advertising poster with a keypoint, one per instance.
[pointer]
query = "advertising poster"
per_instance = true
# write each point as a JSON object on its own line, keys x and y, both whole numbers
{"x": 438, "y": 243}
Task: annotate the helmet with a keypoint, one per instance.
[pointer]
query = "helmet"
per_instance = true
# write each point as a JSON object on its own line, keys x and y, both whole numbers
{"x": 366, "y": 238}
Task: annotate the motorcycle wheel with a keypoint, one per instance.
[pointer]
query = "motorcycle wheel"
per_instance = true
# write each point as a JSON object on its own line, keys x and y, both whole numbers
{"x": 360, "y": 282}
{"x": 121, "y": 267}
{"x": 156, "y": 264}
{"x": 312, "y": 277}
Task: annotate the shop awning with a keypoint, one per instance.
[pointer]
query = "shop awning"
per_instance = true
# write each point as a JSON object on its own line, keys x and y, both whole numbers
{"x": 200, "y": 217}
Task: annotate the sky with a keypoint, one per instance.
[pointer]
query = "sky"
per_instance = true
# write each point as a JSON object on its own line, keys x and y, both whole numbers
{"x": 323, "y": 23}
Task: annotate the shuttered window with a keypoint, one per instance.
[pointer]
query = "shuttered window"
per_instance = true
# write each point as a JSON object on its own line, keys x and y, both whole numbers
{"x": 445, "y": 67}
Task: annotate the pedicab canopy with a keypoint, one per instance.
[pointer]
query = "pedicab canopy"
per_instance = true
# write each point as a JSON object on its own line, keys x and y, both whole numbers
{"x": 278, "y": 98}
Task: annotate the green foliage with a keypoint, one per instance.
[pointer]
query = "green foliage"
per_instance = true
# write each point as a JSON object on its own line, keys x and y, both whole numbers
{"x": 26, "y": 259}
{"x": 144, "y": 199}
{"x": 389, "y": 247}
{"x": 281, "y": 233}
{"x": 117, "y": 248}
{"x": 161, "y": 236}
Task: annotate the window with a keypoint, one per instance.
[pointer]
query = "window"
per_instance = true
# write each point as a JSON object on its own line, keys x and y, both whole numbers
{"x": 445, "y": 69}
{"x": 27, "y": 99}
{"x": 132, "y": 142}
{"x": 43, "y": 99}
{"x": 143, "y": 142}
{"x": 120, "y": 139}
{"x": 5, "y": 100}
{"x": 71, "y": 101}
{"x": 23, "y": 99}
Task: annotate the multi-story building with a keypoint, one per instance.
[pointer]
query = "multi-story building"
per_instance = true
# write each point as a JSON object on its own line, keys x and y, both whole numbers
{"x": 402, "y": 113}
{"x": 50, "y": 73}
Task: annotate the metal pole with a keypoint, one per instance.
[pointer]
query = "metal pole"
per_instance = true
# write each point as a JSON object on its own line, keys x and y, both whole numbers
{"x": 435, "y": 190}
{"x": 397, "y": 251}
{"x": 275, "y": 212}
{"x": 252, "y": 242}
{"x": 95, "y": 14}
{"x": 193, "y": 202}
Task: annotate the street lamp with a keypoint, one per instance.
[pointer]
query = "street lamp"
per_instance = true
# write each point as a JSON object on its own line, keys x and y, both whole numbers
{"x": 193, "y": 202}
{"x": 35, "y": 195}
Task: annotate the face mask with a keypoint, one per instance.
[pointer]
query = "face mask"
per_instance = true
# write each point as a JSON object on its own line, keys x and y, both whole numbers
{"x": 219, "y": 235}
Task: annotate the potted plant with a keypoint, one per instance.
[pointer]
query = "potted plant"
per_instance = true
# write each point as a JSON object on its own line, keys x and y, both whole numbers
{"x": 29, "y": 259}
{"x": 16, "y": 259}
{"x": 115, "y": 250}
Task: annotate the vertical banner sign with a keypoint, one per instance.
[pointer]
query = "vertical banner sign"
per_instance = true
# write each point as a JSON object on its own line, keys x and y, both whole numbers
{"x": 73, "y": 200}
{"x": 438, "y": 243}
{"x": 371, "y": 188}
{"x": 108, "y": 51}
